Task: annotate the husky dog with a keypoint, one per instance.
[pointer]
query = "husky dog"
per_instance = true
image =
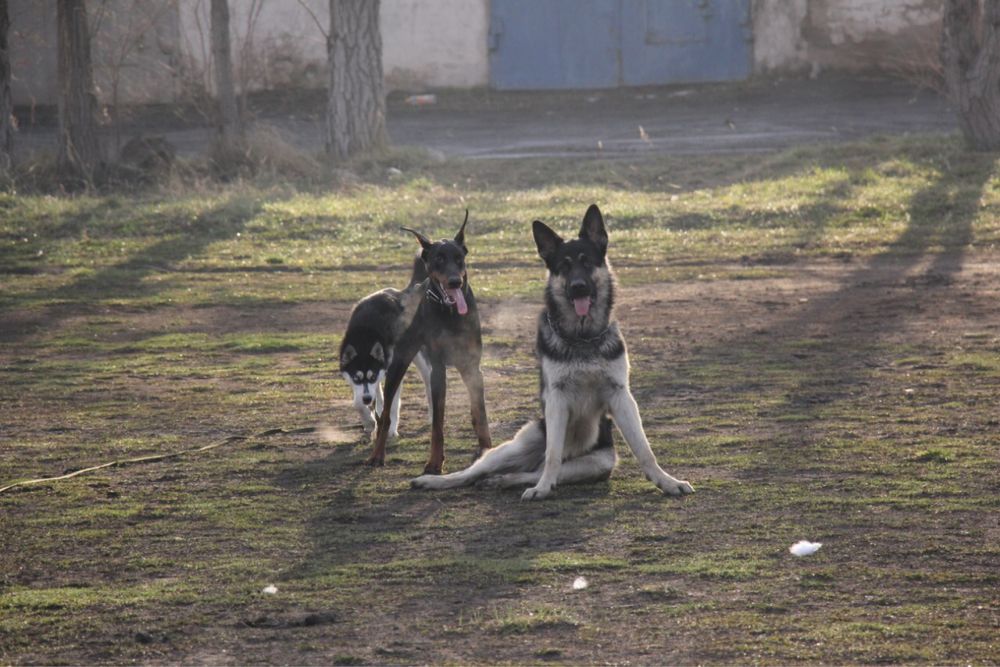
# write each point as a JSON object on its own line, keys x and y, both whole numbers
{"x": 445, "y": 327}
{"x": 584, "y": 383}
{"x": 366, "y": 350}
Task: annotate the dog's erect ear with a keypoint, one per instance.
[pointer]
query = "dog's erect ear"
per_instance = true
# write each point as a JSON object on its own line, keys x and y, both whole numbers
{"x": 378, "y": 354}
{"x": 546, "y": 240}
{"x": 425, "y": 243}
{"x": 460, "y": 237}
{"x": 592, "y": 228}
{"x": 347, "y": 356}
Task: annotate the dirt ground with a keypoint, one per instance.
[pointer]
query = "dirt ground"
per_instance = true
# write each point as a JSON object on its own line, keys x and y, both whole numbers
{"x": 847, "y": 398}
{"x": 847, "y": 332}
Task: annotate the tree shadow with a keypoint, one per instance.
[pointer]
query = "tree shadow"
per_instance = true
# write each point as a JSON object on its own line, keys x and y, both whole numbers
{"x": 845, "y": 331}
{"x": 125, "y": 279}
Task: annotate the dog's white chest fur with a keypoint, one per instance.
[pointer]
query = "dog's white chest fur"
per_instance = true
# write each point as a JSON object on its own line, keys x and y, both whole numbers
{"x": 588, "y": 384}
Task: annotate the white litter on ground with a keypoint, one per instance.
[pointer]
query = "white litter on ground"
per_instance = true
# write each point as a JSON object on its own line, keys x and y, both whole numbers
{"x": 580, "y": 583}
{"x": 270, "y": 589}
{"x": 805, "y": 548}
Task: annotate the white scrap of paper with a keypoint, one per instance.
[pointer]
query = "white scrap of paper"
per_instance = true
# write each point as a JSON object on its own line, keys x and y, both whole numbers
{"x": 580, "y": 583}
{"x": 805, "y": 548}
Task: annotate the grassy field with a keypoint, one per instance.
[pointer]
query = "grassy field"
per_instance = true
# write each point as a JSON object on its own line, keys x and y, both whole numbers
{"x": 815, "y": 340}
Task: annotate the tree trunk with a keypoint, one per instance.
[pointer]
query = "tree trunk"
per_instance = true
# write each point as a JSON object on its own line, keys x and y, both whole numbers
{"x": 230, "y": 125}
{"x": 355, "y": 112}
{"x": 6, "y": 101}
{"x": 79, "y": 149}
{"x": 970, "y": 53}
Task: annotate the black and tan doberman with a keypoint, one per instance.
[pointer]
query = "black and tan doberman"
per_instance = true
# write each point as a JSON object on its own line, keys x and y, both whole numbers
{"x": 445, "y": 326}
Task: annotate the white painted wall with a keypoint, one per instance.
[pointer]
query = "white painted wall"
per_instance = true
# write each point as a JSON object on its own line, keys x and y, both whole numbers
{"x": 436, "y": 44}
{"x": 794, "y": 35}
{"x": 426, "y": 43}
{"x": 777, "y": 34}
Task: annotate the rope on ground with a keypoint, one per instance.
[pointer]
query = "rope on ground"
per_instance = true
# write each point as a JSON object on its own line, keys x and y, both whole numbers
{"x": 158, "y": 457}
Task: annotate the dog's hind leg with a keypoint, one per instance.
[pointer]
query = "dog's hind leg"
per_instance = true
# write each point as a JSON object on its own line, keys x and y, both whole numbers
{"x": 626, "y": 415}
{"x": 424, "y": 368}
{"x": 472, "y": 376}
{"x": 591, "y": 467}
{"x": 522, "y": 453}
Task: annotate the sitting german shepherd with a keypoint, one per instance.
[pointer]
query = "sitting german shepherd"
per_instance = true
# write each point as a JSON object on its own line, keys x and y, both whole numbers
{"x": 584, "y": 367}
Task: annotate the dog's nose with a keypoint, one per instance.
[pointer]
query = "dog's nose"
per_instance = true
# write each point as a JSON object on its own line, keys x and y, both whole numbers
{"x": 455, "y": 282}
{"x": 578, "y": 288}
{"x": 366, "y": 399}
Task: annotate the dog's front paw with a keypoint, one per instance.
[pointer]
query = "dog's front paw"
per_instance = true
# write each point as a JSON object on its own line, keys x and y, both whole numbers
{"x": 538, "y": 492}
{"x": 375, "y": 461}
{"x": 674, "y": 487}
{"x": 425, "y": 482}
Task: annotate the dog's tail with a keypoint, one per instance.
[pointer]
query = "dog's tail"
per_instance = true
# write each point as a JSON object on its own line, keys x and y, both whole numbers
{"x": 419, "y": 271}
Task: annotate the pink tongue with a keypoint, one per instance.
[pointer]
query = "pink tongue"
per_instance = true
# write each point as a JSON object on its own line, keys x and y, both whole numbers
{"x": 459, "y": 299}
{"x": 582, "y": 306}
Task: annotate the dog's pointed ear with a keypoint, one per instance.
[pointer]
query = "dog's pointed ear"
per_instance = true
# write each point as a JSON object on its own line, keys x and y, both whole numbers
{"x": 460, "y": 237}
{"x": 378, "y": 353}
{"x": 546, "y": 240}
{"x": 593, "y": 229}
{"x": 347, "y": 355}
{"x": 425, "y": 243}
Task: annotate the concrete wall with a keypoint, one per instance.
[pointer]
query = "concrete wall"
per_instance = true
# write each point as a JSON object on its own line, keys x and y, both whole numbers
{"x": 815, "y": 35}
{"x": 426, "y": 43}
{"x": 134, "y": 52}
{"x": 160, "y": 51}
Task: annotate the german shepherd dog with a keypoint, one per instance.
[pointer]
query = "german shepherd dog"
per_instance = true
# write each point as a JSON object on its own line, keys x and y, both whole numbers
{"x": 445, "y": 325}
{"x": 367, "y": 349}
{"x": 584, "y": 382}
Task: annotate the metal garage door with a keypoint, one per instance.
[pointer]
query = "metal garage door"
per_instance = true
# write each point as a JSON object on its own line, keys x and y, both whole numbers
{"x": 605, "y": 43}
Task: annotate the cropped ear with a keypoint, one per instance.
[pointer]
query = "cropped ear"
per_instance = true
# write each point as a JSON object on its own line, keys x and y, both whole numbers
{"x": 347, "y": 355}
{"x": 460, "y": 237}
{"x": 546, "y": 240}
{"x": 378, "y": 354}
{"x": 425, "y": 243}
{"x": 592, "y": 228}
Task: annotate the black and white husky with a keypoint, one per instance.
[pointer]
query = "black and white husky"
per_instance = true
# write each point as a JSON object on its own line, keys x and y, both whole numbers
{"x": 584, "y": 367}
{"x": 366, "y": 350}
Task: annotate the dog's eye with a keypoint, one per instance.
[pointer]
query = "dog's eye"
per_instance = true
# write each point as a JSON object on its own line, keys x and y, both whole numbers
{"x": 370, "y": 375}
{"x": 585, "y": 261}
{"x": 359, "y": 376}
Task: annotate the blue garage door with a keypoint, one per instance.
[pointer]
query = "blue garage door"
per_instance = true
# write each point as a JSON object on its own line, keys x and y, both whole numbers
{"x": 538, "y": 44}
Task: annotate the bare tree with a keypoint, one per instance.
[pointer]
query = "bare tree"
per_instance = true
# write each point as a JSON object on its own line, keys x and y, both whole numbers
{"x": 970, "y": 53}
{"x": 79, "y": 148}
{"x": 355, "y": 112}
{"x": 6, "y": 101}
{"x": 128, "y": 26}
{"x": 229, "y": 112}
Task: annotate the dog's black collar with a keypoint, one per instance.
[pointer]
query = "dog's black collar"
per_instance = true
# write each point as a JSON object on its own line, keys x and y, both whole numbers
{"x": 574, "y": 340}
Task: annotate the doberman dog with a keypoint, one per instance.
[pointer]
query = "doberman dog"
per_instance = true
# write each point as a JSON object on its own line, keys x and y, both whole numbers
{"x": 446, "y": 327}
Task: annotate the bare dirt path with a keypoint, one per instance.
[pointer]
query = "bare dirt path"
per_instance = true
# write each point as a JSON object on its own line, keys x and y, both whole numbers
{"x": 763, "y": 115}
